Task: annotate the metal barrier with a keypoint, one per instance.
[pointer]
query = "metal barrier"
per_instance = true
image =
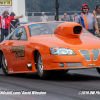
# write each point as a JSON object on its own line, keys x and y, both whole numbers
{"x": 35, "y": 16}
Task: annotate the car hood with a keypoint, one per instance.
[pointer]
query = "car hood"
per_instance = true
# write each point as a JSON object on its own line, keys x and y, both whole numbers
{"x": 85, "y": 41}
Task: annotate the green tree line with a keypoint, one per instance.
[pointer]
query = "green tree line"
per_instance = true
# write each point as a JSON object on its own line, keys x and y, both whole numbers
{"x": 65, "y": 5}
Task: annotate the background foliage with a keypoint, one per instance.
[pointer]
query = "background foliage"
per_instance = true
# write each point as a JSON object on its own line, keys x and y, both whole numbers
{"x": 65, "y": 5}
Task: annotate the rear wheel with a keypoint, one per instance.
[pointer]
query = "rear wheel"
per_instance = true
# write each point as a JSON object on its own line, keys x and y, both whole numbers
{"x": 4, "y": 64}
{"x": 39, "y": 65}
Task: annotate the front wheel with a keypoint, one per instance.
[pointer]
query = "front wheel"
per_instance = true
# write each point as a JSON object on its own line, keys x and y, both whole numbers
{"x": 39, "y": 65}
{"x": 4, "y": 64}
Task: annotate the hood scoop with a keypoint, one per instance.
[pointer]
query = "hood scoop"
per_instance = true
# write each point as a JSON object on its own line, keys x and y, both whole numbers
{"x": 69, "y": 29}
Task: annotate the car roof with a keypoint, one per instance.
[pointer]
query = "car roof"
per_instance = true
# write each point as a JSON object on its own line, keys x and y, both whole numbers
{"x": 41, "y": 22}
{"x": 25, "y": 22}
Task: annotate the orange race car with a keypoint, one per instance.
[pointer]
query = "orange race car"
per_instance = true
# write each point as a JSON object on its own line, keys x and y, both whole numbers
{"x": 46, "y": 46}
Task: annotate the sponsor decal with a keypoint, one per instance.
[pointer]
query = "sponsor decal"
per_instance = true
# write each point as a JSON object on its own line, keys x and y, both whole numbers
{"x": 19, "y": 51}
{"x": 10, "y": 71}
{"x": 19, "y": 58}
{"x": 34, "y": 26}
{"x": 5, "y": 2}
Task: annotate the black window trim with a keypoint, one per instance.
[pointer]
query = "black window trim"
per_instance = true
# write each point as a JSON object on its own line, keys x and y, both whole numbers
{"x": 29, "y": 31}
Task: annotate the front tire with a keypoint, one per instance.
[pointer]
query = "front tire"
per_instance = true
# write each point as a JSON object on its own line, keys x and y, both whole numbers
{"x": 39, "y": 65}
{"x": 4, "y": 64}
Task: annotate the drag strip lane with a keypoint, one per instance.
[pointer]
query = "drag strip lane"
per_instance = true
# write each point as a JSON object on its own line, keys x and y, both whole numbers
{"x": 65, "y": 86}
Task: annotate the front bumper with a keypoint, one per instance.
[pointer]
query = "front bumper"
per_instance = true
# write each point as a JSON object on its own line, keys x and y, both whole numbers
{"x": 70, "y": 62}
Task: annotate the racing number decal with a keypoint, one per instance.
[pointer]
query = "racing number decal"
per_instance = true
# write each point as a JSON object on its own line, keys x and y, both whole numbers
{"x": 19, "y": 51}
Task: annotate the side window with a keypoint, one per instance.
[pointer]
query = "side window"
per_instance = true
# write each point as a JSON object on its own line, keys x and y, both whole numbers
{"x": 8, "y": 37}
{"x": 19, "y": 34}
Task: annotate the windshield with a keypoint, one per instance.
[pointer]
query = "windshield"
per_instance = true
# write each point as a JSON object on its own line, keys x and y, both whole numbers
{"x": 45, "y": 28}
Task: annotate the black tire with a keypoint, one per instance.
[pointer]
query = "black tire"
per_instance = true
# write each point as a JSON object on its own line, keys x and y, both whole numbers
{"x": 42, "y": 73}
{"x": 4, "y": 64}
{"x": 98, "y": 70}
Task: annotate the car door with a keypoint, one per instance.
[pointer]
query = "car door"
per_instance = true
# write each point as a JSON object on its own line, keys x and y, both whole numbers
{"x": 17, "y": 48}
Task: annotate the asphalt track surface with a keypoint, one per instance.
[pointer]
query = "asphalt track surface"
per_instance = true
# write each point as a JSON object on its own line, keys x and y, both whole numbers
{"x": 57, "y": 87}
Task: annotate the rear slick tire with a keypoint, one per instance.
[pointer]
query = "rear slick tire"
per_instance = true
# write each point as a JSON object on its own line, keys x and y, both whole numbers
{"x": 4, "y": 64}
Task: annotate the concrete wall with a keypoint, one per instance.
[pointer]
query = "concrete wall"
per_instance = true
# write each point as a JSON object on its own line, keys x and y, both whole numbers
{"x": 51, "y": 18}
{"x": 18, "y": 7}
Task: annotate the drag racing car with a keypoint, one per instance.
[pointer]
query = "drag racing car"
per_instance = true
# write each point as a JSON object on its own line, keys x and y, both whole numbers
{"x": 44, "y": 47}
